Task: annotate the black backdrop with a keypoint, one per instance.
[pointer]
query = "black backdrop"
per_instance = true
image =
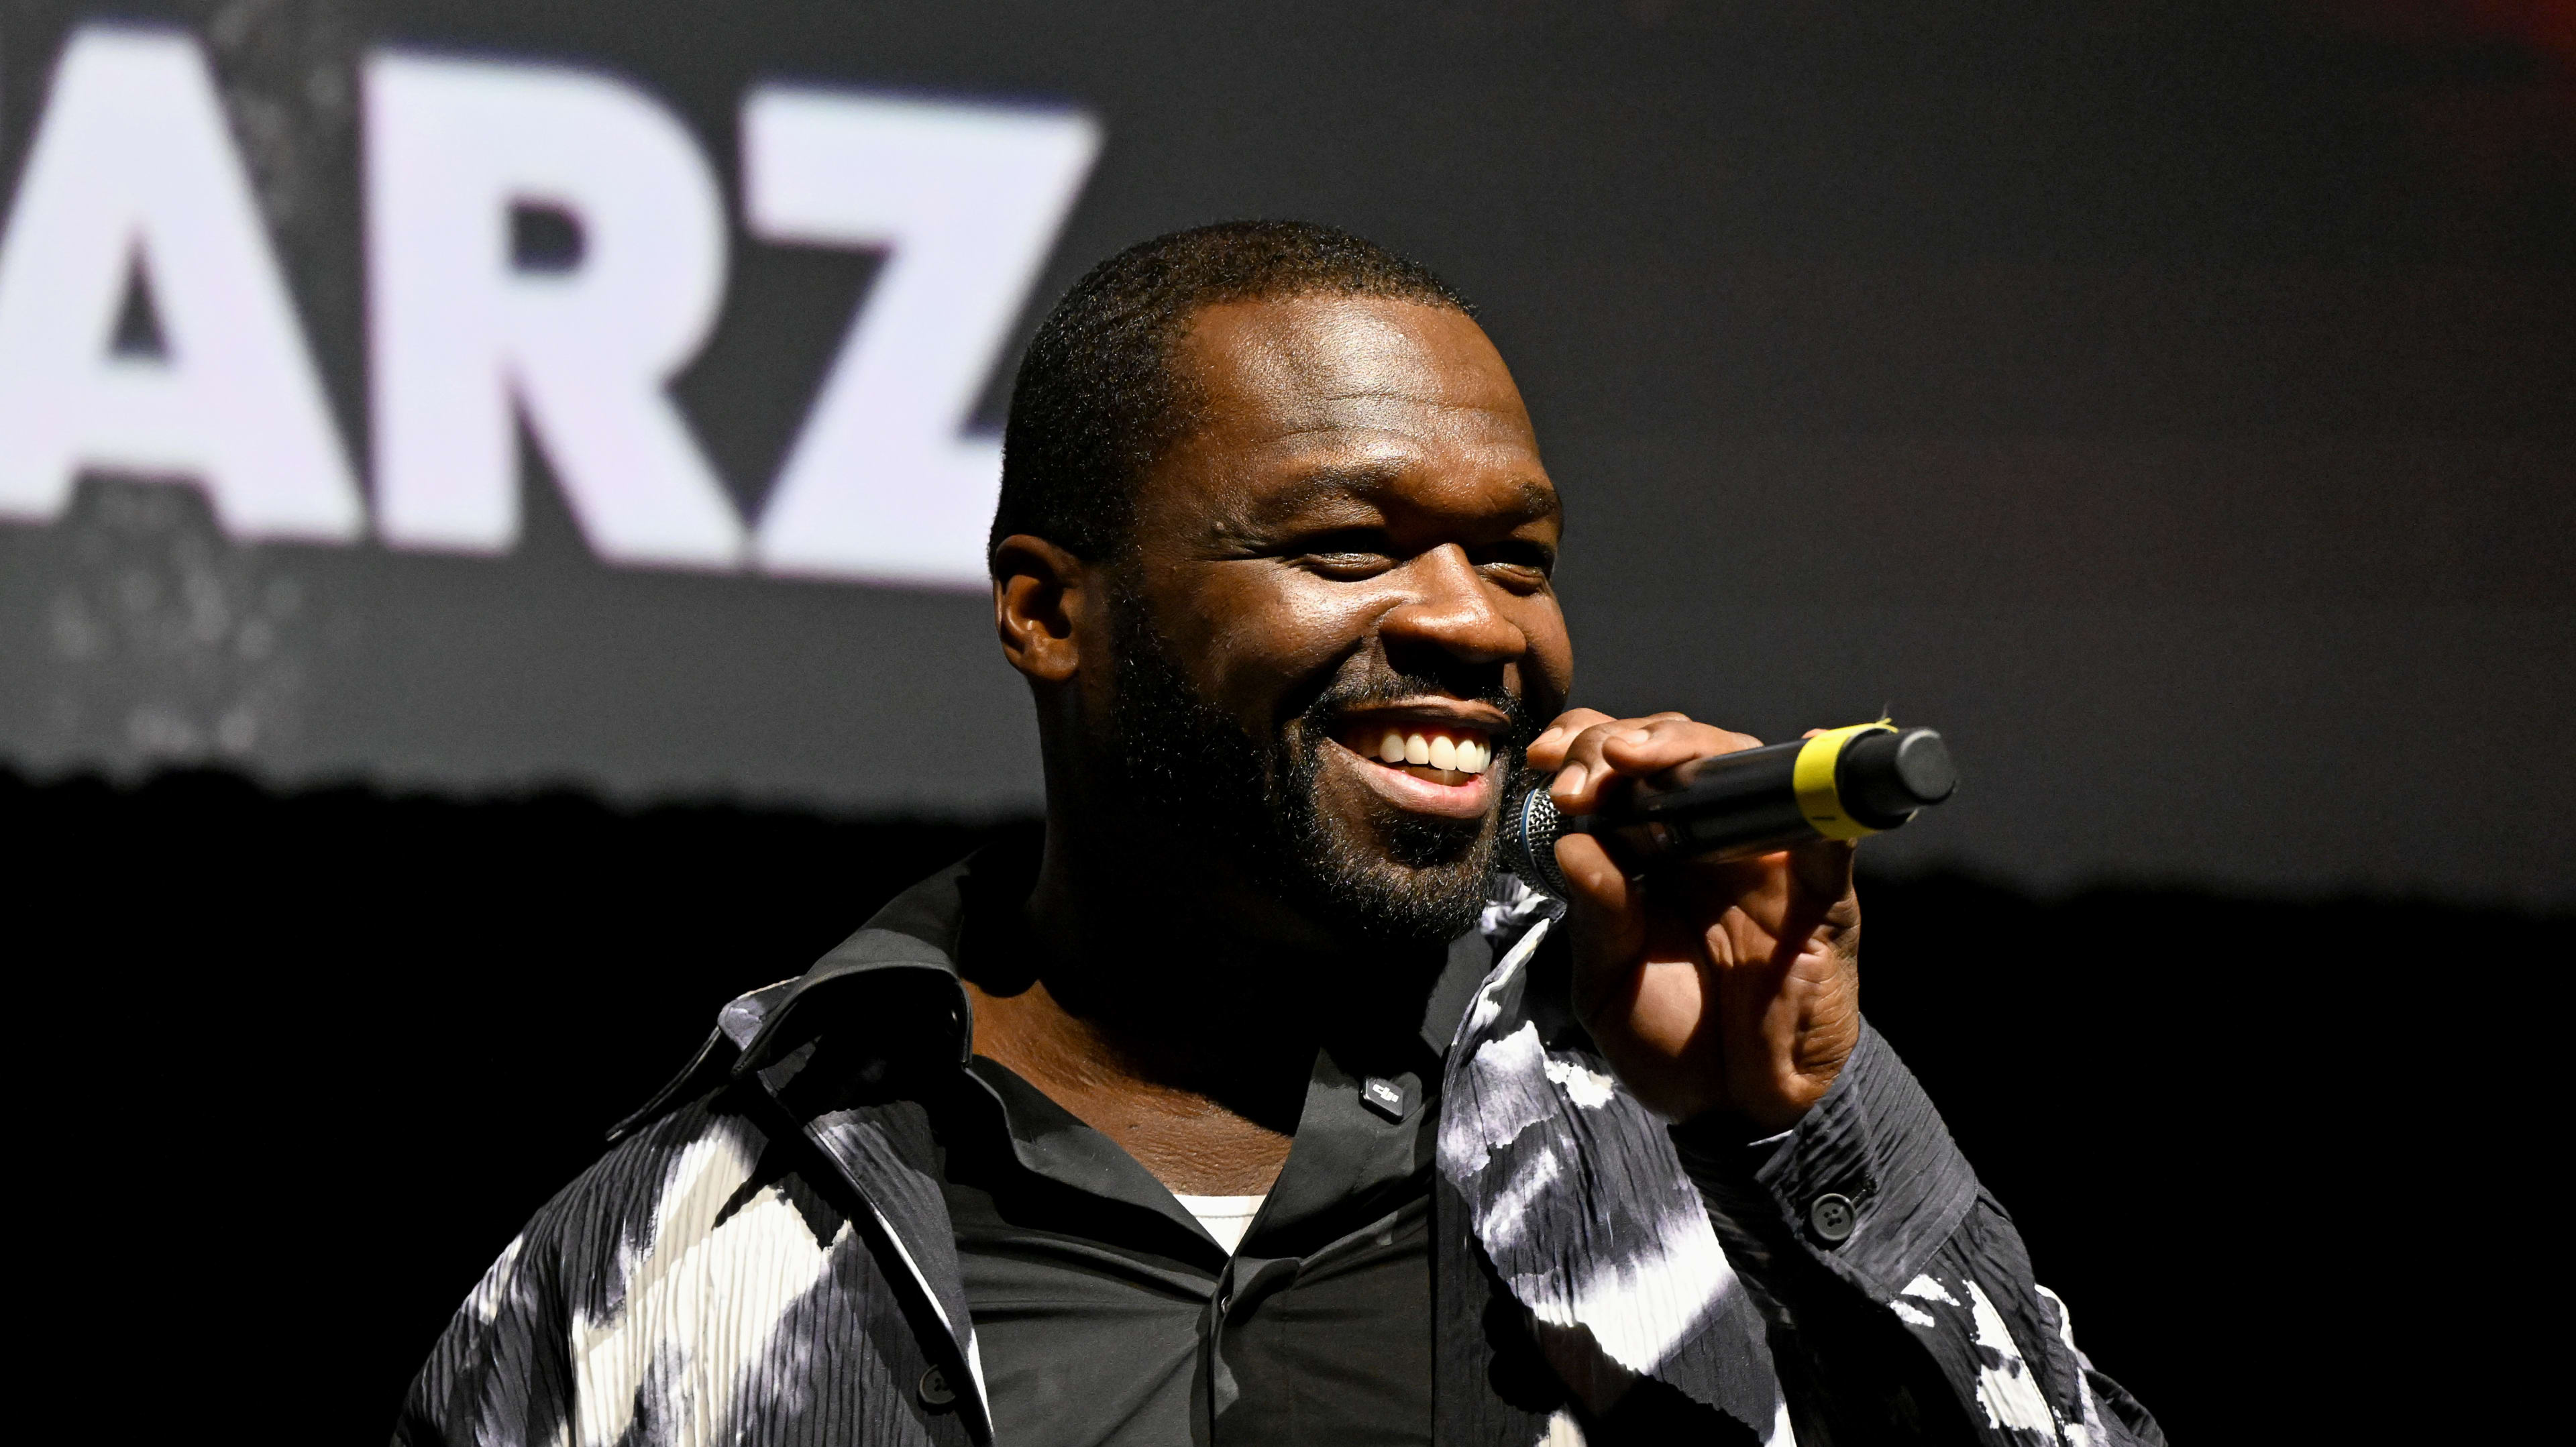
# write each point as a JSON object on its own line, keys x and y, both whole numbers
{"x": 2284, "y": 1162}
{"x": 2168, "y": 401}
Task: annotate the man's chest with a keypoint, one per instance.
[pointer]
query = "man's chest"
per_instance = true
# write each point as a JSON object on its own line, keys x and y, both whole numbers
{"x": 1090, "y": 1334}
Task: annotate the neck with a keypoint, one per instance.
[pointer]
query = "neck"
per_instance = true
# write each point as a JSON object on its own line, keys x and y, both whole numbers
{"x": 1168, "y": 1005}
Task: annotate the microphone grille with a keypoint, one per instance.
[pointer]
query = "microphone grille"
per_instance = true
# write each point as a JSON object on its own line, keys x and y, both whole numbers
{"x": 1529, "y": 832}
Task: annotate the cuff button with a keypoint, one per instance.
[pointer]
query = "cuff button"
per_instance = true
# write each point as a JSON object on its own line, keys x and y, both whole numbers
{"x": 1832, "y": 1217}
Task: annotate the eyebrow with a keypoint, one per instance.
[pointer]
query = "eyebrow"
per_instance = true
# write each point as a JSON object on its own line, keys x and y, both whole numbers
{"x": 1370, "y": 483}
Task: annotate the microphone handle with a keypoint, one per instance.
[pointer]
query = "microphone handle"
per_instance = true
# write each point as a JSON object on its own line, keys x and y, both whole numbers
{"x": 1842, "y": 784}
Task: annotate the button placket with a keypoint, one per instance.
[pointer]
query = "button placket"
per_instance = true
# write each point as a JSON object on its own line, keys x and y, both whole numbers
{"x": 1247, "y": 1281}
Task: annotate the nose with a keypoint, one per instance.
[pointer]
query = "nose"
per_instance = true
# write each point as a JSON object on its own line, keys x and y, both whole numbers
{"x": 1451, "y": 608}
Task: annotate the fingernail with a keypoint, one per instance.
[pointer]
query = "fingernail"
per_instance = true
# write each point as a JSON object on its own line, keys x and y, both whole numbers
{"x": 1637, "y": 736}
{"x": 1569, "y": 780}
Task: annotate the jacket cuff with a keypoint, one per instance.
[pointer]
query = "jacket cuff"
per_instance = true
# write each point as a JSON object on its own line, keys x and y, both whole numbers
{"x": 1869, "y": 1182}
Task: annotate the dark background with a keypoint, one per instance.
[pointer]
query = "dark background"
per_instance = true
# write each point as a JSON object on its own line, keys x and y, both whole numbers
{"x": 2285, "y": 1162}
{"x": 2169, "y": 402}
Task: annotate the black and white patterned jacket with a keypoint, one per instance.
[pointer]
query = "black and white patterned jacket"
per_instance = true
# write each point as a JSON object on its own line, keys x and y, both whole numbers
{"x": 763, "y": 1256}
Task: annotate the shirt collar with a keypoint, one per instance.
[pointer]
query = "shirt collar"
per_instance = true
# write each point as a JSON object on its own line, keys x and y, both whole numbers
{"x": 923, "y": 929}
{"x": 1352, "y": 1160}
{"x": 916, "y": 934}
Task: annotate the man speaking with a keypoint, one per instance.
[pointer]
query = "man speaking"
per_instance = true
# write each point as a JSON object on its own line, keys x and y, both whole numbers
{"x": 1255, "y": 1103}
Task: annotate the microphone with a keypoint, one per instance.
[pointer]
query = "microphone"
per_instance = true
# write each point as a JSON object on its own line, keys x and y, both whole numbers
{"x": 1842, "y": 784}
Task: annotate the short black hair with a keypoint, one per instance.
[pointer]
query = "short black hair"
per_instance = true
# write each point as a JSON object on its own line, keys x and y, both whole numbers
{"x": 1096, "y": 403}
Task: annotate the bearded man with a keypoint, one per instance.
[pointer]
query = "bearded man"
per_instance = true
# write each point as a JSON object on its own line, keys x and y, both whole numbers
{"x": 1253, "y": 1104}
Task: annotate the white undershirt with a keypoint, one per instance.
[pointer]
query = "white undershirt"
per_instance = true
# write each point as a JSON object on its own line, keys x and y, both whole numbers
{"x": 1225, "y": 1217}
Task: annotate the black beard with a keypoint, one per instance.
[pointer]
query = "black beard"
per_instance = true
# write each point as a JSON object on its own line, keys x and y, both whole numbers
{"x": 1186, "y": 770}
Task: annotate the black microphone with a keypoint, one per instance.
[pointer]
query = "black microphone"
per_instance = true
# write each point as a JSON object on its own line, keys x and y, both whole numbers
{"x": 1841, "y": 784}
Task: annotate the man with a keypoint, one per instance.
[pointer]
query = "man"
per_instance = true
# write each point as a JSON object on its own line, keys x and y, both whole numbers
{"x": 1251, "y": 1105}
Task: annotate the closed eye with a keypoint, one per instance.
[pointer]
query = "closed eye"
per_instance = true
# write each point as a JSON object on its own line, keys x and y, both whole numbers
{"x": 1517, "y": 563}
{"x": 1347, "y": 553}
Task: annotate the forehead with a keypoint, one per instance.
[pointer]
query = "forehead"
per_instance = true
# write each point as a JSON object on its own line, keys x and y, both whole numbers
{"x": 1306, "y": 395}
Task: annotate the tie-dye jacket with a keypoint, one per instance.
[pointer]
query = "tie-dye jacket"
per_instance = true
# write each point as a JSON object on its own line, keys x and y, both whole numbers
{"x": 763, "y": 1256}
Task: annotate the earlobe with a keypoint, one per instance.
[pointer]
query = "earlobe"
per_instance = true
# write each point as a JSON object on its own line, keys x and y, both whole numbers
{"x": 1039, "y": 592}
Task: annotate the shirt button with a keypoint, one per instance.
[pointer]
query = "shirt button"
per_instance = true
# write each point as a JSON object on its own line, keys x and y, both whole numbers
{"x": 1832, "y": 1217}
{"x": 935, "y": 1391}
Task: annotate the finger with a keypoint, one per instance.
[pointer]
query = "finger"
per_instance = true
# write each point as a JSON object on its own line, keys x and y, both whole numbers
{"x": 1572, "y": 788}
{"x": 1821, "y": 872}
{"x": 1632, "y": 747}
{"x": 1625, "y": 747}
{"x": 1663, "y": 740}
{"x": 1774, "y": 908}
{"x": 1609, "y": 914}
{"x": 1547, "y": 751}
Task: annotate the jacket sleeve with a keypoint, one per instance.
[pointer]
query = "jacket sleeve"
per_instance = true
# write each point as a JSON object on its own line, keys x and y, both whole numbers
{"x": 501, "y": 1371}
{"x": 1899, "y": 1295}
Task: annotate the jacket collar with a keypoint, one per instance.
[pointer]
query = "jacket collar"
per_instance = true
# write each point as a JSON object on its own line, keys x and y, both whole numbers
{"x": 916, "y": 935}
{"x": 916, "y": 940}
{"x": 913, "y": 940}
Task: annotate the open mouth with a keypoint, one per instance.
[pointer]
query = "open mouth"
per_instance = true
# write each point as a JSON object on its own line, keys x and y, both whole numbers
{"x": 1450, "y": 754}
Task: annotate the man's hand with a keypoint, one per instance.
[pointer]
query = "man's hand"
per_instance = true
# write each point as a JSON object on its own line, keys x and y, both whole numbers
{"x": 1727, "y": 987}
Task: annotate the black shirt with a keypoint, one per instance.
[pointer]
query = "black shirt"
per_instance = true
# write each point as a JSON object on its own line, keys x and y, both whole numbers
{"x": 1105, "y": 1314}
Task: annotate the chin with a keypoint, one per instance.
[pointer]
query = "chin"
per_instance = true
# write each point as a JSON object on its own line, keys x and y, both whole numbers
{"x": 1411, "y": 880}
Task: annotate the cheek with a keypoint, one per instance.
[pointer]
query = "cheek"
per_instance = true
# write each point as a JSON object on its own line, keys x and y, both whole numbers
{"x": 1547, "y": 670}
{"x": 1277, "y": 634}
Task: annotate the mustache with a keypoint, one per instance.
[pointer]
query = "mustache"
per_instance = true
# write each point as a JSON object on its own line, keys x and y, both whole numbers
{"x": 1347, "y": 696}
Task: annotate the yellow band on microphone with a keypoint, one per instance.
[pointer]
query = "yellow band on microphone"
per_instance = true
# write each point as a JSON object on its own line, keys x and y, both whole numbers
{"x": 1813, "y": 779}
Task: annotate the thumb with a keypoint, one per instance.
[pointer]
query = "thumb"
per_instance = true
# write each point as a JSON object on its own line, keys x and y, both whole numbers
{"x": 1608, "y": 916}
{"x": 1822, "y": 870}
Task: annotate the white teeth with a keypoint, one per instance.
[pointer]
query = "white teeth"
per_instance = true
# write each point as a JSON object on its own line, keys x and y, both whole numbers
{"x": 1467, "y": 755}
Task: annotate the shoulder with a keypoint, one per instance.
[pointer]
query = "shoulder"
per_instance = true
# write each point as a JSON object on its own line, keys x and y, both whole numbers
{"x": 704, "y": 1171}
{"x": 701, "y": 1180}
{"x": 599, "y": 1305}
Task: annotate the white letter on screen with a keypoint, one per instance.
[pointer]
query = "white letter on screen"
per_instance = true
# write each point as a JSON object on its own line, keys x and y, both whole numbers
{"x": 133, "y": 168}
{"x": 461, "y": 333}
{"x": 881, "y": 484}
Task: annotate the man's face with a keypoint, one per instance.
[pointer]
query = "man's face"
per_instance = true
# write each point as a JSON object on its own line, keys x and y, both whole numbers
{"x": 1337, "y": 624}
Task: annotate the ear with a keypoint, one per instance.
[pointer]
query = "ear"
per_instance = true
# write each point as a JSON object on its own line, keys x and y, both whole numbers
{"x": 1039, "y": 594}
